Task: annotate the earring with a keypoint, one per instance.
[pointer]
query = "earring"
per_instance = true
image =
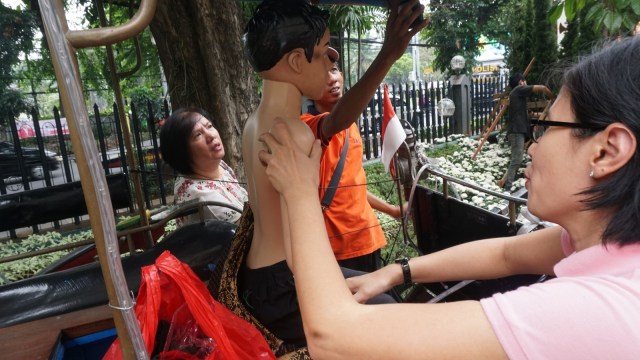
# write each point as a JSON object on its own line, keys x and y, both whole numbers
{"x": 591, "y": 173}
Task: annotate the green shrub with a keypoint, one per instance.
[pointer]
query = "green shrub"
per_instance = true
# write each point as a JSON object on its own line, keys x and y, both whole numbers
{"x": 24, "y": 268}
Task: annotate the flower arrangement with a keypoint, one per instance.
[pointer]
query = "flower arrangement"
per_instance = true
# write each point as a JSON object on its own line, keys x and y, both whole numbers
{"x": 455, "y": 159}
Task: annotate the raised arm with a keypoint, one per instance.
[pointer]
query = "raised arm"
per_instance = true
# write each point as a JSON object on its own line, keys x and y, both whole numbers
{"x": 545, "y": 90}
{"x": 397, "y": 37}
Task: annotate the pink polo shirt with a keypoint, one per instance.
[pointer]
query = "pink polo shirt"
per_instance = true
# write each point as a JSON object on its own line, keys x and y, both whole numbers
{"x": 590, "y": 311}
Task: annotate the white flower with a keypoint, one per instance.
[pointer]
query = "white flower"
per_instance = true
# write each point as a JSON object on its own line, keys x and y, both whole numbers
{"x": 490, "y": 164}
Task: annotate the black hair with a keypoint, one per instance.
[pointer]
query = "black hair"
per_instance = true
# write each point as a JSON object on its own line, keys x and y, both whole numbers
{"x": 605, "y": 88}
{"x": 280, "y": 26}
{"x": 514, "y": 80}
{"x": 174, "y": 138}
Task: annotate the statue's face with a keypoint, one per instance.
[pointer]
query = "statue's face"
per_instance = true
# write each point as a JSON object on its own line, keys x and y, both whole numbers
{"x": 317, "y": 72}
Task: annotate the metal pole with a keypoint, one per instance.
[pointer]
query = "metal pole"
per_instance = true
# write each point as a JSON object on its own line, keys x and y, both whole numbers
{"x": 124, "y": 125}
{"x": 63, "y": 44}
{"x": 399, "y": 187}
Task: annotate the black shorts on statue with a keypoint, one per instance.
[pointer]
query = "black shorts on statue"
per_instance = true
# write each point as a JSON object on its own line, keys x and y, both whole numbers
{"x": 269, "y": 293}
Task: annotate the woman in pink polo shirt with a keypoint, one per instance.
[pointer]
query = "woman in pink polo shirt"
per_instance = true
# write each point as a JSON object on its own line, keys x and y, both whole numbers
{"x": 584, "y": 176}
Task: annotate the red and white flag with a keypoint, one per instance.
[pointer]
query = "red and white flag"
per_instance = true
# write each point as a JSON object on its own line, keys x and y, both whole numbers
{"x": 392, "y": 132}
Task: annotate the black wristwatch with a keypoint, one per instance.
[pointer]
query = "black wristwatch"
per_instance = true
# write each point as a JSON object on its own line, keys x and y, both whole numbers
{"x": 406, "y": 270}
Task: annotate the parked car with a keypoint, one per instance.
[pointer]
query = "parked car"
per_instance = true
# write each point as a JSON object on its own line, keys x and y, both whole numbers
{"x": 34, "y": 164}
{"x": 113, "y": 159}
{"x": 394, "y": 98}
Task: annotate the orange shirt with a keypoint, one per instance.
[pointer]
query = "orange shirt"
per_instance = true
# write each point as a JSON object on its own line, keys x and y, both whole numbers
{"x": 353, "y": 228}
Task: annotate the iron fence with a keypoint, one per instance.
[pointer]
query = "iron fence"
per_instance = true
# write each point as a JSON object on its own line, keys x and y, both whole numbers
{"x": 33, "y": 142}
{"x": 417, "y": 102}
{"x": 36, "y": 158}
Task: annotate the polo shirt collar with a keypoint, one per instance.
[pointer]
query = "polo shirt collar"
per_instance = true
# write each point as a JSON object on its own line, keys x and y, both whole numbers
{"x": 600, "y": 260}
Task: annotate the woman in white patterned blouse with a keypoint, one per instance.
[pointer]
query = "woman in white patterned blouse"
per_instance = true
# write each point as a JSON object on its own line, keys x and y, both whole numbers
{"x": 192, "y": 146}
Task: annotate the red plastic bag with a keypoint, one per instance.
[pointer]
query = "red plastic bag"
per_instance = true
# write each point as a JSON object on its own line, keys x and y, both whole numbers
{"x": 169, "y": 285}
{"x": 186, "y": 337}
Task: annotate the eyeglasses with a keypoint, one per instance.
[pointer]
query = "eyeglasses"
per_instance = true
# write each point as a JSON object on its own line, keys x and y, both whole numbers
{"x": 539, "y": 127}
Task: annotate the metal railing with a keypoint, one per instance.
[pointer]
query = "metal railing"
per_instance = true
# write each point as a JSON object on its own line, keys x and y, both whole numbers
{"x": 512, "y": 200}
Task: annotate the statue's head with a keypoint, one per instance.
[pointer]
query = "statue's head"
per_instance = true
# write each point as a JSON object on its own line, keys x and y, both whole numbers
{"x": 280, "y": 26}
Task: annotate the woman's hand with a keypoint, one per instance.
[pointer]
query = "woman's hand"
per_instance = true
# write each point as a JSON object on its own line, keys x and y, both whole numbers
{"x": 290, "y": 170}
{"x": 366, "y": 286}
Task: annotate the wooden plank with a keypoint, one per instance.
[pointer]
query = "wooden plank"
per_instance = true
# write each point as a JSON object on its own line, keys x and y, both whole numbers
{"x": 36, "y": 340}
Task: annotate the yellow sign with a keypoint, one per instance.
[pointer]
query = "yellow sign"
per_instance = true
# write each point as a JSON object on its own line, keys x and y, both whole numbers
{"x": 476, "y": 69}
{"x": 485, "y": 68}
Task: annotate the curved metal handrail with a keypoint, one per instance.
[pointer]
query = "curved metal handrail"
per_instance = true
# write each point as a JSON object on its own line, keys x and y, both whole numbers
{"x": 80, "y": 39}
{"x": 472, "y": 185}
{"x": 513, "y": 200}
{"x": 445, "y": 177}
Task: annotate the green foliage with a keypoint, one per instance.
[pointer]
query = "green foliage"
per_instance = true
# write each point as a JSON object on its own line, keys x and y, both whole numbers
{"x": 16, "y": 37}
{"x": 544, "y": 42}
{"x": 142, "y": 80}
{"x": 38, "y": 74}
{"x": 146, "y": 73}
{"x": 353, "y": 21}
{"x": 382, "y": 185}
{"x": 567, "y": 48}
{"x": 523, "y": 28}
{"x": 456, "y": 31}
{"x": 443, "y": 151}
{"x": 24, "y": 268}
{"x": 20, "y": 269}
{"x": 400, "y": 70}
{"x": 615, "y": 17}
{"x": 12, "y": 103}
{"x": 95, "y": 72}
{"x": 140, "y": 97}
{"x": 517, "y": 17}
{"x": 579, "y": 37}
{"x": 380, "y": 182}
{"x": 358, "y": 19}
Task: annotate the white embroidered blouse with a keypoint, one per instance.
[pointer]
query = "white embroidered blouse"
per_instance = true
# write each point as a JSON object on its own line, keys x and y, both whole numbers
{"x": 225, "y": 190}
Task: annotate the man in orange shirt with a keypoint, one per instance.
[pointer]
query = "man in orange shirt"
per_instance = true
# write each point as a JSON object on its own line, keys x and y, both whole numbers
{"x": 353, "y": 228}
{"x": 354, "y": 231}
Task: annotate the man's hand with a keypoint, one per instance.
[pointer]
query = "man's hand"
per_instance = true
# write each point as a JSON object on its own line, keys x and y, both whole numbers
{"x": 396, "y": 213}
{"x": 385, "y": 207}
{"x": 399, "y": 30}
{"x": 290, "y": 170}
{"x": 398, "y": 34}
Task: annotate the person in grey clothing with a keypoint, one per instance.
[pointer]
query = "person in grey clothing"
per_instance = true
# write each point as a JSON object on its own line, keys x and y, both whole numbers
{"x": 519, "y": 126}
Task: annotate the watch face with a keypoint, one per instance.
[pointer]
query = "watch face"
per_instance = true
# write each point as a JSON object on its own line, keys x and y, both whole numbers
{"x": 401, "y": 260}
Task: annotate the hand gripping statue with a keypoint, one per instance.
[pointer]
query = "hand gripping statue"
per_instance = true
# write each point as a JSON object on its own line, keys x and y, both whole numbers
{"x": 287, "y": 43}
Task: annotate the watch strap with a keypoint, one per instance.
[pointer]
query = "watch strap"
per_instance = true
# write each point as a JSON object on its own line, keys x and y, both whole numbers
{"x": 406, "y": 270}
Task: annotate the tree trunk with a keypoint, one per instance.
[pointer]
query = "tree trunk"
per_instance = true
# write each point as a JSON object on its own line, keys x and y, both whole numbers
{"x": 200, "y": 48}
